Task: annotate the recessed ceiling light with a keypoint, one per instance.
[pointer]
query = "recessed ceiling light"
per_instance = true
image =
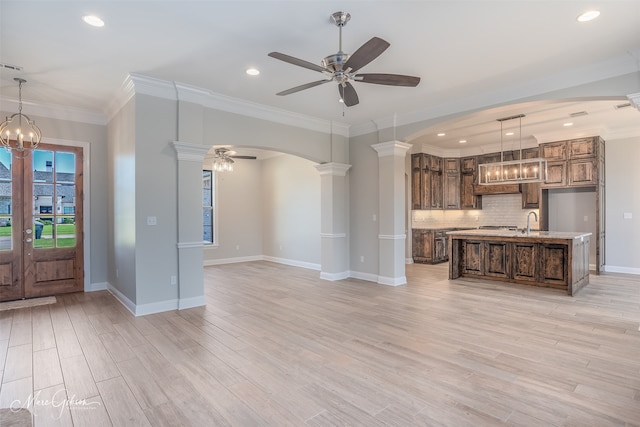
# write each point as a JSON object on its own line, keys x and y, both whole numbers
{"x": 463, "y": 141}
{"x": 93, "y": 20}
{"x": 588, "y": 16}
{"x": 567, "y": 124}
{"x": 441, "y": 134}
{"x": 253, "y": 71}
{"x": 509, "y": 133}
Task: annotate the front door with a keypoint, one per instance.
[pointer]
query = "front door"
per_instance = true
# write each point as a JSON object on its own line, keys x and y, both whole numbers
{"x": 41, "y": 223}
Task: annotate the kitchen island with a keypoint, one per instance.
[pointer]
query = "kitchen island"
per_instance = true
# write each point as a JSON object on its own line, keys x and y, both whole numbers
{"x": 539, "y": 258}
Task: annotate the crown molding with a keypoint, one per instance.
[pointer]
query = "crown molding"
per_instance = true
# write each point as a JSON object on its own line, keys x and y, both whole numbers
{"x": 333, "y": 169}
{"x": 53, "y": 111}
{"x": 190, "y": 152}
{"x": 140, "y": 84}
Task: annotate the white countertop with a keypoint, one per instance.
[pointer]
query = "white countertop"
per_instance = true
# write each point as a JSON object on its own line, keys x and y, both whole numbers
{"x": 567, "y": 235}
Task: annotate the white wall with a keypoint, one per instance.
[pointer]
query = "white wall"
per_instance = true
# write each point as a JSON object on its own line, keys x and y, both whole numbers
{"x": 268, "y": 209}
{"x": 240, "y": 214}
{"x": 291, "y": 210}
{"x": 622, "y": 196}
{"x": 574, "y": 210}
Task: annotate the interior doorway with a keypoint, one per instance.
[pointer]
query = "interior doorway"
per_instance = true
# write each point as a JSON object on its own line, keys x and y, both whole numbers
{"x": 41, "y": 222}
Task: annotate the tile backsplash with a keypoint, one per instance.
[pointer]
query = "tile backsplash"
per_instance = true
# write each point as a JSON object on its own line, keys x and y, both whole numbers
{"x": 503, "y": 209}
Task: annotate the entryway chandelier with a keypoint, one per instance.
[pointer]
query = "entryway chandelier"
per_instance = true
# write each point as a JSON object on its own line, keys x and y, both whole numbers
{"x": 18, "y": 133}
{"x": 513, "y": 171}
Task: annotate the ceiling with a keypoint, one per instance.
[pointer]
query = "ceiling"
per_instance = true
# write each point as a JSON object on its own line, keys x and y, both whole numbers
{"x": 468, "y": 54}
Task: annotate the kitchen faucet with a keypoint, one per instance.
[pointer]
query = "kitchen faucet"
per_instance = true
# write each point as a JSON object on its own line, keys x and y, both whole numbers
{"x": 528, "y": 223}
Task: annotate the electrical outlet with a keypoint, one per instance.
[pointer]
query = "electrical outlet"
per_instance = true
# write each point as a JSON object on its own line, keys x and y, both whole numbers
{"x": 174, "y": 280}
{"x": 362, "y": 258}
{"x": 237, "y": 247}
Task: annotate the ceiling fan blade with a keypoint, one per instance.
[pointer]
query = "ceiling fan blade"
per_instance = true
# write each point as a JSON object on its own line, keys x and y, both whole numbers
{"x": 388, "y": 79}
{"x": 348, "y": 94}
{"x": 366, "y": 53}
{"x": 244, "y": 157}
{"x": 296, "y": 61}
{"x": 302, "y": 87}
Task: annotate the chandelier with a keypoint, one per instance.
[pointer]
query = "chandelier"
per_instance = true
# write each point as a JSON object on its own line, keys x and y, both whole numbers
{"x": 513, "y": 171}
{"x": 222, "y": 162}
{"x": 18, "y": 133}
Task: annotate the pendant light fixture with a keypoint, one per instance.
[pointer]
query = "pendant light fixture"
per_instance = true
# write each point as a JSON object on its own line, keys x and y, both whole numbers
{"x": 18, "y": 133}
{"x": 514, "y": 171}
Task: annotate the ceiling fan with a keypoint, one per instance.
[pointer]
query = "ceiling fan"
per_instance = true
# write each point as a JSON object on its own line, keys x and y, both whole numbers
{"x": 223, "y": 152}
{"x": 343, "y": 67}
{"x": 222, "y": 159}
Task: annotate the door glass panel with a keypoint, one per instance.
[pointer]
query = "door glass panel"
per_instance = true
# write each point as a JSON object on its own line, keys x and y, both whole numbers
{"x": 66, "y": 231}
{"x": 54, "y": 192}
{"x": 5, "y": 201}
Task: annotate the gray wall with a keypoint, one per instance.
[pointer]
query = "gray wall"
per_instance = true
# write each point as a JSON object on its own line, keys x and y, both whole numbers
{"x": 622, "y": 196}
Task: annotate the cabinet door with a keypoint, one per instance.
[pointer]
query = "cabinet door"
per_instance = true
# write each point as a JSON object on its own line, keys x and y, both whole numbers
{"x": 530, "y": 153}
{"x": 582, "y": 172}
{"x": 582, "y": 148}
{"x": 525, "y": 261}
{"x": 440, "y": 250}
{"x": 472, "y": 258}
{"x": 556, "y": 174}
{"x": 554, "y": 150}
{"x": 435, "y": 163}
{"x": 421, "y": 245}
{"x": 553, "y": 265}
{"x": 452, "y": 191}
{"x": 451, "y": 165}
{"x": 425, "y": 189}
{"x": 489, "y": 158}
{"x": 468, "y": 164}
{"x": 530, "y": 195}
{"x": 511, "y": 155}
{"x": 416, "y": 182}
{"x": 468, "y": 200}
{"x": 436, "y": 189}
{"x": 496, "y": 259}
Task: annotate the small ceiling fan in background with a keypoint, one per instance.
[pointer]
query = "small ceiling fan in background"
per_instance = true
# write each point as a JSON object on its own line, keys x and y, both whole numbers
{"x": 222, "y": 159}
{"x": 343, "y": 67}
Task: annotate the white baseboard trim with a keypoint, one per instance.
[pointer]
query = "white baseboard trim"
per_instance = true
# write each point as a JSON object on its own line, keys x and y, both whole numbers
{"x": 122, "y": 298}
{"x": 392, "y": 281}
{"x": 334, "y": 276}
{"x": 192, "y": 302}
{"x": 155, "y": 307}
{"x": 364, "y": 276}
{"x": 625, "y": 270}
{"x": 408, "y": 261}
{"x": 292, "y": 262}
{"x": 93, "y": 287}
{"x": 208, "y": 262}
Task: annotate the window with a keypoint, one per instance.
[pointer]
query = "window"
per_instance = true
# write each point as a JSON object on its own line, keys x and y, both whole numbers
{"x": 208, "y": 208}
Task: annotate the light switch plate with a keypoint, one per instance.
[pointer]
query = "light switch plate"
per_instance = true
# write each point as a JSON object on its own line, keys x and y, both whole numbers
{"x": 152, "y": 220}
{"x": 627, "y": 215}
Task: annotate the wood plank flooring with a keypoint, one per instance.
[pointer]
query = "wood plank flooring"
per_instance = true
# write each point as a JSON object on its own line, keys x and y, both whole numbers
{"x": 277, "y": 346}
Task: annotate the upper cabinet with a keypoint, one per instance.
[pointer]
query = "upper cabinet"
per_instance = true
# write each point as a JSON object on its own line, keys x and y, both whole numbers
{"x": 572, "y": 163}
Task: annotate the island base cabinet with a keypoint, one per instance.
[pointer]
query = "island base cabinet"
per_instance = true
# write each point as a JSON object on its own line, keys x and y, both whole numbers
{"x": 554, "y": 265}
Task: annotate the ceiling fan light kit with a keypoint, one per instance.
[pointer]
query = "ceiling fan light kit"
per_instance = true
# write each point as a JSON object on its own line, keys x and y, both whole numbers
{"x": 342, "y": 67}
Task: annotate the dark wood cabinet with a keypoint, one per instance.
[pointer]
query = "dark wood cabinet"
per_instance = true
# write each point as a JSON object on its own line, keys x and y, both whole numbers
{"x": 554, "y": 150}
{"x": 579, "y": 148}
{"x": 582, "y": 172}
{"x": 427, "y": 181}
{"x": 430, "y": 246}
{"x": 451, "y": 184}
{"x": 530, "y": 191}
{"x": 468, "y": 199}
{"x": 556, "y": 174}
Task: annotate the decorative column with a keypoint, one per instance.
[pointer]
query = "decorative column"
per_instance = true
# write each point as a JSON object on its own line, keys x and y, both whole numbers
{"x": 190, "y": 245}
{"x": 334, "y": 256}
{"x": 391, "y": 212}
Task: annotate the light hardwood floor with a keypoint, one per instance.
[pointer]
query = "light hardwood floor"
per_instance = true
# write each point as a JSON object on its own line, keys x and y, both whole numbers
{"x": 277, "y": 346}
